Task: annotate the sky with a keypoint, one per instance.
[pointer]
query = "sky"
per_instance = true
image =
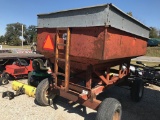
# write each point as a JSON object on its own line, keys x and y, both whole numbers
{"x": 25, "y": 11}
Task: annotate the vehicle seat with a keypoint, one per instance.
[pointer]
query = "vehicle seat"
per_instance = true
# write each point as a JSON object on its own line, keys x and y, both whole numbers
{"x": 38, "y": 65}
{"x": 20, "y": 62}
{"x": 23, "y": 62}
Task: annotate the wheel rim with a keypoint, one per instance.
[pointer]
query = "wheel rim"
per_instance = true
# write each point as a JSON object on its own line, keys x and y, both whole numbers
{"x": 4, "y": 81}
{"x": 116, "y": 115}
{"x": 141, "y": 91}
{"x": 49, "y": 96}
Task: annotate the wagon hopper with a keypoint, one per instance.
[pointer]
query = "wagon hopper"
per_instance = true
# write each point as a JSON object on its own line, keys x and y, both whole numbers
{"x": 83, "y": 45}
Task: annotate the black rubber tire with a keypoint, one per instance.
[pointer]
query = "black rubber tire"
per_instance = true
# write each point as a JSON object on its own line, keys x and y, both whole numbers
{"x": 41, "y": 90}
{"x": 137, "y": 90}
{"x": 109, "y": 109}
{"x": 4, "y": 78}
{"x": 29, "y": 78}
{"x": 158, "y": 83}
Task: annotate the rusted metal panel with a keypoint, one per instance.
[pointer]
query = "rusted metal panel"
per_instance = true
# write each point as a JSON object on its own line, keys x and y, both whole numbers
{"x": 94, "y": 45}
{"x": 79, "y": 98}
{"x": 98, "y": 43}
{"x": 119, "y": 44}
{"x": 87, "y": 42}
{"x": 42, "y": 34}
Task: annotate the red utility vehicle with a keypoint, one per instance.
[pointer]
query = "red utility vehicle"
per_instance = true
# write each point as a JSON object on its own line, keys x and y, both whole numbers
{"x": 18, "y": 69}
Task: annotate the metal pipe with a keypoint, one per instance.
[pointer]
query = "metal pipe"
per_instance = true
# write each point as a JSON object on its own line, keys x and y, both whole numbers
{"x": 22, "y": 36}
{"x": 67, "y": 66}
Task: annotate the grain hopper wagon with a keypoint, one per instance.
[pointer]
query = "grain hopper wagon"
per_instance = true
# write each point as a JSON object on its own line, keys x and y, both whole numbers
{"x": 82, "y": 47}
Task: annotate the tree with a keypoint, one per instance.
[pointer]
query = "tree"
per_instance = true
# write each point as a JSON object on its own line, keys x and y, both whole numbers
{"x": 158, "y": 33}
{"x": 13, "y": 33}
{"x": 31, "y": 34}
{"x": 153, "y": 32}
{"x": 2, "y": 39}
{"x": 130, "y": 14}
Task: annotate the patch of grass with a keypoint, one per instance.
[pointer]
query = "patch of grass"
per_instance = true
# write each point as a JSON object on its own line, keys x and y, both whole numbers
{"x": 16, "y": 47}
{"x": 153, "y": 51}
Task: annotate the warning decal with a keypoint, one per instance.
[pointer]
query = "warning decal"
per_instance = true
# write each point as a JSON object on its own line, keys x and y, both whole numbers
{"x": 48, "y": 43}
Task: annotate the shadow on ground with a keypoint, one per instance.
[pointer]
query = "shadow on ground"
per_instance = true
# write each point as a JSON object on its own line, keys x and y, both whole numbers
{"x": 147, "y": 109}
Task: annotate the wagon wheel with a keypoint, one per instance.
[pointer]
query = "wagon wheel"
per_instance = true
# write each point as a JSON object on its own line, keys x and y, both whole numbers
{"x": 43, "y": 95}
{"x": 4, "y": 78}
{"x": 30, "y": 78}
{"x": 109, "y": 109}
{"x": 157, "y": 78}
{"x": 158, "y": 82}
{"x": 137, "y": 89}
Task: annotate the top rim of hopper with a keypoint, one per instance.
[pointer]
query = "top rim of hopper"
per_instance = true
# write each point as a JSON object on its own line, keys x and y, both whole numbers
{"x": 110, "y": 4}
{"x": 107, "y": 15}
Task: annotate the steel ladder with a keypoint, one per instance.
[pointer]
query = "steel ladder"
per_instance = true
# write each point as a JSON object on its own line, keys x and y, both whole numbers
{"x": 59, "y": 34}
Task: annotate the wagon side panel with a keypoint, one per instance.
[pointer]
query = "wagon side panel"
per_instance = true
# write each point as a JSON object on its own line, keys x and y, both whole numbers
{"x": 42, "y": 35}
{"x": 120, "y": 44}
{"x": 87, "y": 42}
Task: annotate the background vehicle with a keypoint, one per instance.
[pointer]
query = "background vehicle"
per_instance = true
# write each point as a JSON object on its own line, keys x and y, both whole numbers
{"x": 16, "y": 65}
{"x": 147, "y": 73}
{"x": 38, "y": 73}
{"x": 153, "y": 42}
{"x": 18, "y": 69}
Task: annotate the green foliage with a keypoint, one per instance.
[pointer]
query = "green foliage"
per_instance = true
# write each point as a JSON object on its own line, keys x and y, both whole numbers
{"x": 31, "y": 34}
{"x": 130, "y": 14}
{"x": 154, "y": 32}
{"x": 14, "y": 32}
{"x": 15, "y": 42}
{"x": 2, "y": 40}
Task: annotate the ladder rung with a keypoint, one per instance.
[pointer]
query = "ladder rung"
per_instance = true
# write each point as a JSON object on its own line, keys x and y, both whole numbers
{"x": 61, "y": 44}
{"x": 62, "y": 74}
{"x": 60, "y": 59}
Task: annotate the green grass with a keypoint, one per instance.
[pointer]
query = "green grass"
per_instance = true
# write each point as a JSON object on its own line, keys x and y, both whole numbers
{"x": 153, "y": 51}
{"x": 18, "y": 47}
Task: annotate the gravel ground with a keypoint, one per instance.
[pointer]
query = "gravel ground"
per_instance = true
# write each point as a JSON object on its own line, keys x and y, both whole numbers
{"x": 24, "y": 108}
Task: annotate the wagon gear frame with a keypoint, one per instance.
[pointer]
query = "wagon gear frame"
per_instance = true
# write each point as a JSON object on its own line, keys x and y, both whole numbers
{"x": 86, "y": 95}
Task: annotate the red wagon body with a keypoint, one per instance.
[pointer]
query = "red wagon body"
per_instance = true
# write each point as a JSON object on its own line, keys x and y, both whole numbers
{"x": 95, "y": 45}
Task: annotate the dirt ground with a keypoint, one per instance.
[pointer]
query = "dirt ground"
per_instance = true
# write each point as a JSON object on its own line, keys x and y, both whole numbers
{"x": 24, "y": 107}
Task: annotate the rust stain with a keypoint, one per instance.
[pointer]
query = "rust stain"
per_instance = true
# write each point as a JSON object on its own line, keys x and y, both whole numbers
{"x": 95, "y": 45}
{"x": 123, "y": 45}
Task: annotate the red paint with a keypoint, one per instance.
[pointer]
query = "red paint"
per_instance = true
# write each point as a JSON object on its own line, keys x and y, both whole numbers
{"x": 95, "y": 45}
{"x": 18, "y": 71}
